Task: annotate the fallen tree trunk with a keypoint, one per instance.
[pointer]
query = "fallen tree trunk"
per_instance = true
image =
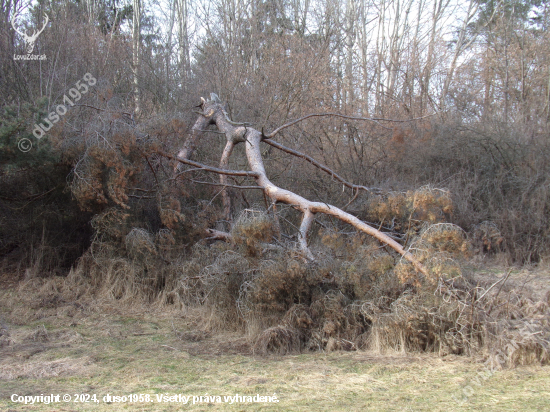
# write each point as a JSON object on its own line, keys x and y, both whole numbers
{"x": 213, "y": 113}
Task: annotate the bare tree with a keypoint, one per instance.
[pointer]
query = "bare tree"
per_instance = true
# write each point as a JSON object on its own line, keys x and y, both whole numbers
{"x": 462, "y": 44}
{"x": 350, "y": 32}
{"x": 213, "y": 112}
{"x": 438, "y": 11}
{"x": 182, "y": 13}
{"x": 136, "y": 54}
{"x": 169, "y": 46}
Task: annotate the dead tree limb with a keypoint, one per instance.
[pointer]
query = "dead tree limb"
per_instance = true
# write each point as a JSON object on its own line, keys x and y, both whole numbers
{"x": 202, "y": 166}
{"x": 219, "y": 235}
{"x": 224, "y": 161}
{"x": 213, "y": 112}
{"x": 191, "y": 142}
{"x": 199, "y": 182}
{"x": 376, "y": 120}
{"x": 315, "y": 163}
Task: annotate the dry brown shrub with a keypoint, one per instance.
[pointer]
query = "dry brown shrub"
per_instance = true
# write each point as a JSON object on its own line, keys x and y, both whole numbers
{"x": 139, "y": 242}
{"x": 359, "y": 276}
{"x": 298, "y": 317}
{"x": 332, "y": 239}
{"x": 338, "y": 318}
{"x": 331, "y": 322}
{"x": 441, "y": 248}
{"x": 516, "y": 325}
{"x": 279, "y": 284}
{"x": 287, "y": 305}
{"x": 413, "y": 322}
{"x": 523, "y": 341}
{"x": 488, "y": 238}
{"x": 220, "y": 284}
{"x": 332, "y": 295}
{"x": 165, "y": 240}
{"x": 170, "y": 210}
{"x": 353, "y": 297}
{"x": 344, "y": 246}
{"x": 279, "y": 340}
{"x": 251, "y": 229}
{"x": 105, "y": 168}
{"x": 410, "y": 210}
{"x": 111, "y": 223}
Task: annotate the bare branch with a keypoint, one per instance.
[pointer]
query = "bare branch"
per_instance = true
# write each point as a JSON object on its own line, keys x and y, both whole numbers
{"x": 201, "y": 166}
{"x": 99, "y": 109}
{"x": 219, "y": 235}
{"x": 322, "y": 167}
{"x": 225, "y": 185}
{"x": 141, "y": 190}
{"x": 307, "y": 220}
{"x": 343, "y": 116}
{"x": 142, "y": 197}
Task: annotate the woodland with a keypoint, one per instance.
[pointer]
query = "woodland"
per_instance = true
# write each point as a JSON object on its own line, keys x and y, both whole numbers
{"x": 314, "y": 174}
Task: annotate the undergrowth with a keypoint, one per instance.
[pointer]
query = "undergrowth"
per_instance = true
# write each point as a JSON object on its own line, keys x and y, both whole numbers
{"x": 356, "y": 295}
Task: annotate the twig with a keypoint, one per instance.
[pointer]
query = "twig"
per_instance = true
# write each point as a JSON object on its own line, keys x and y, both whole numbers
{"x": 352, "y": 199}
{"x": 495, "y": 298}
{"x": 209, "y": 131}
{"x": 98, "y": 109}
{"x": 494, "y": 284}
{"x": 152, "y": 169}
{"x": 141, "y": 197}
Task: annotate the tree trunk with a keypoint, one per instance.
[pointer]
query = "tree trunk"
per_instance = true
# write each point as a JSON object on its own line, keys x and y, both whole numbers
{"x": 136, "y": 42}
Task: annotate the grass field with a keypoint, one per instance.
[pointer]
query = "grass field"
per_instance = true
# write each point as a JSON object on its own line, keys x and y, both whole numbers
{"x": 59, "y": 348}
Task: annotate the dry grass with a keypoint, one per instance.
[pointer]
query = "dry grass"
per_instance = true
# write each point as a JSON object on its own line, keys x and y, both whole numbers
{"x": 279, "y": 340}
{"x": 118, "y": 348}
{"x": 366, "y": 300}
{"x": 355, "y": 297}
{"x": 46, "y": 369}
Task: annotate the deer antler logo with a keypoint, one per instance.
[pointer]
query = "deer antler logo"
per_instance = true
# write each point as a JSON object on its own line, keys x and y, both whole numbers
{"x": 30, "y": 40}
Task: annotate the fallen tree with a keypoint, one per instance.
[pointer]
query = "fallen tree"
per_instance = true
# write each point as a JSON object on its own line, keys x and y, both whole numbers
{"x": 213, "y": 112}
